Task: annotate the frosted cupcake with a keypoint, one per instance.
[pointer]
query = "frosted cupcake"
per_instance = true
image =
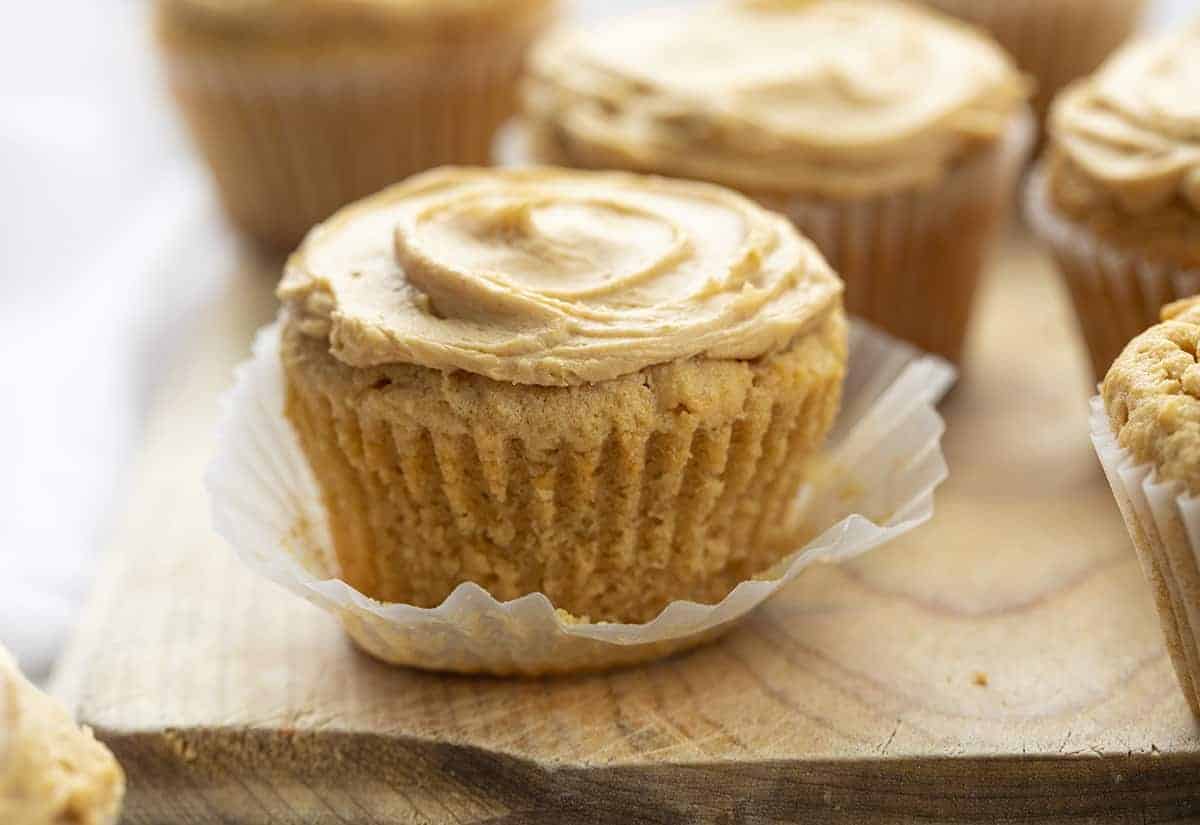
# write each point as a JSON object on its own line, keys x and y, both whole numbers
{"x": 51, "y": 772}
{"x": 1055, "y": 41}
{"x": 301, "y": 106}
{"x": 1146, "y": 427}
{"x": 600, "y": 387}
{"x": 1117, "y": 196}
{"x": 890, "y": 135}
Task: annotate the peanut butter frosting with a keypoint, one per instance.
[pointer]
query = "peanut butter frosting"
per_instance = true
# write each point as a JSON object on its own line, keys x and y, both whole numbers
{"x": 1152, "y": 395}
{"x": 51, "y": 771}
{"x": 837, "y": 97}
{"x": 551, "y": 277}
{"x": 1133, "y": 129}
{"x": 356, "y": 26}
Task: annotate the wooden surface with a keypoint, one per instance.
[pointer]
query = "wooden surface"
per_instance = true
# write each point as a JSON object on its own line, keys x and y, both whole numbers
{"x": 1002, "y": 664}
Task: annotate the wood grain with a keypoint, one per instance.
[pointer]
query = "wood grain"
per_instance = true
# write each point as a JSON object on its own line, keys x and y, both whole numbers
{"x": 1003, "y": 664}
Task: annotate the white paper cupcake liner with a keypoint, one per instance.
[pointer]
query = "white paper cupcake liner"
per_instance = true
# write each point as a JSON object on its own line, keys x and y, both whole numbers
{"x": 1117, "y": 293}
{"x": 1164, "y": 523}
{"x": 876, "y": 482}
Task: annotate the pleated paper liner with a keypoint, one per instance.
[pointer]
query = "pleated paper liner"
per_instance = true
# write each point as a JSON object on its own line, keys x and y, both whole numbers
{"x": 912, "y": 260}
{"x": 1164, "y": 523}
{"x": 877, "y": 476}
{"x": 1117, "y": 293}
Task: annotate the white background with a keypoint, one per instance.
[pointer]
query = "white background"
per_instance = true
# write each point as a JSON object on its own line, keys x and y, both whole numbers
{"x": 95, "y": 176}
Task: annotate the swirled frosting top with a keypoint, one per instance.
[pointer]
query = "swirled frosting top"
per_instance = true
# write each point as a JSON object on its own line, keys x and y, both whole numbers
{"x": 1133, "y": 128}
{"x": 553, "y": 277}
{"x": 845, "y": 96}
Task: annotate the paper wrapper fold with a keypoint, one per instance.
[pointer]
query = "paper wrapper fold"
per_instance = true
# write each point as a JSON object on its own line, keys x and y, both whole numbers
{"x": 874, "y": 482}
{"x": 1117, "y": 293}
{"x": 1164, "y": 522}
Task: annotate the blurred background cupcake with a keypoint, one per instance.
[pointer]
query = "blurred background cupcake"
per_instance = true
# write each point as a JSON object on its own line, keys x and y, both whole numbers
{"x": 301, "y": 106}
{"x": 892, "y": 136}
{"x": 1117, "y": 196}
{"x": 1055, "y": 41}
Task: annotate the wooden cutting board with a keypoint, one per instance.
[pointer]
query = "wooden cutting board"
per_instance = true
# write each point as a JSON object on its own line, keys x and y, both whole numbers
{"x": 1001, "y": 664}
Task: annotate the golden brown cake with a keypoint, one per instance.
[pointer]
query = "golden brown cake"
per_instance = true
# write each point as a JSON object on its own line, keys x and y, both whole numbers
{"x": 51, "y": 772}
{"x": 597, "y": 386}
{"x": 1117, "y": 196}
{"x": 889, "y": 134}
{"x": 1151, "y": 453}
{"x": 301, "y": 106}
{"x": 1055, "y": 41}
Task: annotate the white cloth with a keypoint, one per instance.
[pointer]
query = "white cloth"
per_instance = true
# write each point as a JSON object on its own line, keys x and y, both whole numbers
{"x": 96, "y": 184}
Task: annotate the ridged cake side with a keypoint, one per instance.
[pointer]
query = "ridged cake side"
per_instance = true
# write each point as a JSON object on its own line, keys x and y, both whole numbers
{"x": 613, "y": 498}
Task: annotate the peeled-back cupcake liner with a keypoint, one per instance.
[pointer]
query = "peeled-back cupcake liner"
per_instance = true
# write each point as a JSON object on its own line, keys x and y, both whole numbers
{"x": 911, "y": 260}
{"x": 1057, "y": 41}
{"x": 1164, "y": 522}
{"x": 1117, "y": 293}
{"x": 289, "y": 145}
{"x": 875, "y": 482}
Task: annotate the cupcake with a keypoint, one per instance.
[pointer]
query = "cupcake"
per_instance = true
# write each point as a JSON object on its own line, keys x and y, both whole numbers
{"x": 1055, "y": 41}
{"x": 890, "y": 135}
{"x": 596, "y": 386}
{"x": 51, "y": 772}
{"x": 1117, "y": 196}
{"x": 1146, "y": 427}
{"x": 301, "y": 106}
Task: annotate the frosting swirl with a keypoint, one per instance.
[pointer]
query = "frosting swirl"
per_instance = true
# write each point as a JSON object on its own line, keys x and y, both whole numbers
{"x": 542, "y": 276}
{"x": 1132, "y": 130}
{"x": 842, "y": 96}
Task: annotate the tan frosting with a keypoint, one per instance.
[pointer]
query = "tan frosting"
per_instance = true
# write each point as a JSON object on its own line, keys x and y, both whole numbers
{"x": 1132, "y": 130}
{"x": 839, "y": 96}
{"x": 543, "y": 276}
{"x": 51, "y": 771}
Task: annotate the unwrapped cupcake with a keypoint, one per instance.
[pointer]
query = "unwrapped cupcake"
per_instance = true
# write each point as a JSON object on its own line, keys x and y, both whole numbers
{"x": 1056, "y": 41}
{"x": 594, "y": 386}
{"x": 892, "y": 136}
{"x": 301, "y": 106}
{"x": 1117, "y": 196}
{"x": 1146, "y": 428}
{"x": 542, "y": 420}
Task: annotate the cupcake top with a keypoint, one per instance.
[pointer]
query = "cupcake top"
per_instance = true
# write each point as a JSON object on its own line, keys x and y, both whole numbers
{"x": 553, "y": 277}
{"x": 1152, "y": 395}
{"x": 1127, "y": 139}
{"x": 841, "y": 97}
{"x": 336, "y": 25}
